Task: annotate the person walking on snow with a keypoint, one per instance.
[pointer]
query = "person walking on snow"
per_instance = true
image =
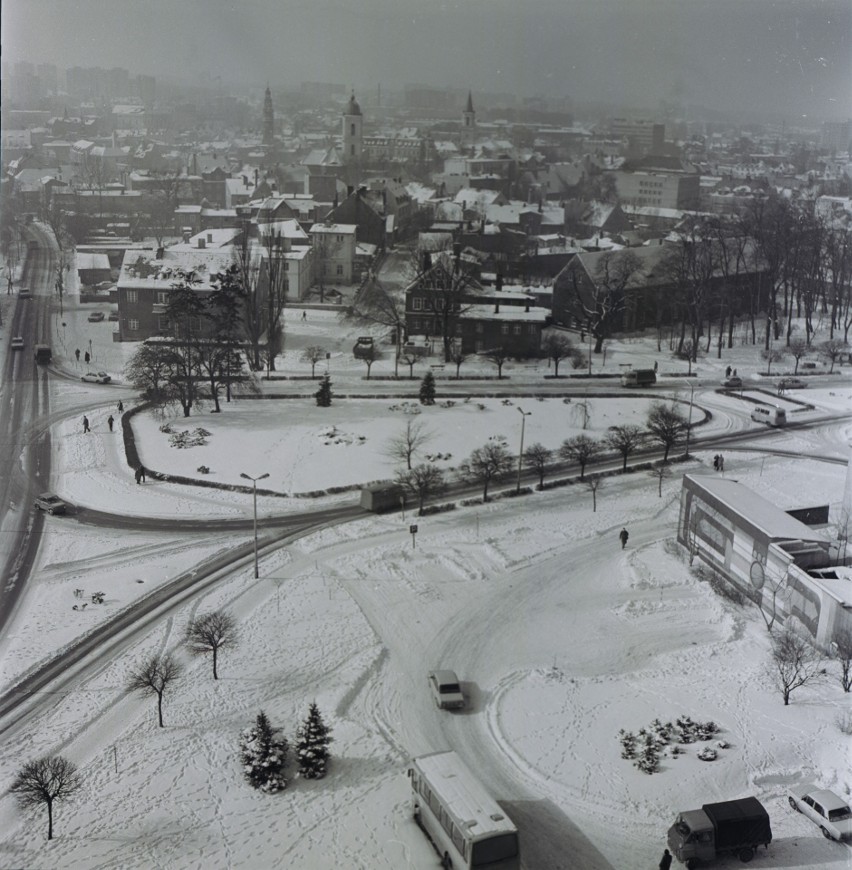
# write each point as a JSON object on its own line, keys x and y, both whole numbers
{"x": 666, "y": 860}
{"x": 120, "y": 407}
{"x": 623, "y": 535}
{"x": 77, "y": 354}
{"x": 85, "y": 424}
{"x": 110, "y": 421}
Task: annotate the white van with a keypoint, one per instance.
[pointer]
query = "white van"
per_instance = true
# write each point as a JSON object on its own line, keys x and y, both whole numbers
{"x": 770, "y": 415}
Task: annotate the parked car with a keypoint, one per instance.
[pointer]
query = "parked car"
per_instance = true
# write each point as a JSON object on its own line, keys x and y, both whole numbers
{"x": 18, "y": 342}
{"x": 96, "y": 378}
{"x": 51, "y": 503}
{"x": 25, "y": 293}
{"x": 446, "y": 690}
{"x": 113, "y": 316}
{"x": 96, "y": 317}
{"x": 363, "y": 347}
{"x": 825, "y": 809}
{"x": 791, "y": 384}
{"x": 733, "y": 383}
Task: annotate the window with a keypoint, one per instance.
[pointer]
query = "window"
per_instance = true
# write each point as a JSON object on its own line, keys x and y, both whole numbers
{"x": 339, "y": 270}
{"x": 517, "y": 329}
{"x": 505, "y": 329}
{"x": 286, "y": 265}
{"x": 531, "y": 329}
{"x": 133, "y": 325}
{"x": 339, "y": 239}
{"x": 163, "y": 323}
{"x": 415, "y": 324}
{"x": 479, "y": 328}
{"x": 351, "y": 129}
{"x": 417, "y": 303}
{"x": 131, "y": 296}
{"x": 162, "y": 297}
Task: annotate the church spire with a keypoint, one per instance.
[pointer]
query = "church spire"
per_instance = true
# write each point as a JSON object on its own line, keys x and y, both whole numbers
{"x": 268, "y": 119}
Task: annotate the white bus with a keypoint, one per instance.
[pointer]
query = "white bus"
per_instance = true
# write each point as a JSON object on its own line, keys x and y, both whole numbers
{"x": 464, "y": 823}
{"x": 770, "y": 415}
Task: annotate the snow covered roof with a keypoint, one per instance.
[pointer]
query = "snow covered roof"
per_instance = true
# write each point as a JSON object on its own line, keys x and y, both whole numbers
{"x": 88, "y": 261}
{"x": 507, "y": 313}
{"x": 343, "y": 229}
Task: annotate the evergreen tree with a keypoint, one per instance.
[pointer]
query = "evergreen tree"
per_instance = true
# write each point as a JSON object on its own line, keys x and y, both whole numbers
{"x": 323, "y": 394}
{"x": 427, "y": 389}
{"x": 264, "y": 754}
{"x": 312, "y": 739}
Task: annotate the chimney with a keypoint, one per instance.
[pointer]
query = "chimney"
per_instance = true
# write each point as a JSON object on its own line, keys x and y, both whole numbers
{"x": 245, "y": 180}
{"x": 427, "y": 261}
{"x": 202, "y": 243}
{"x": 527, "y": 307}
{"x": 496, "y": 307}
{"x": 255, "y": 176}
{"x": 186, "y": 236}
{"x": 210, "y": 238}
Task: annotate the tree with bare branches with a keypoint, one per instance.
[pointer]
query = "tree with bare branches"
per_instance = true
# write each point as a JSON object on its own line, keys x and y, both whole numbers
{"x": 538, "y": 457}
{"x": 368, "y": 354}
{"x": 557, "y": 346}
{"x": 833, "y": 349}
{"x": 795, "y": 663}
{"x": 498, "y": 356}
{"x": 841, "y": 652}
{"x": 661, "y": 472}
{"x": 492, "y": 462}
{"x": 771, "y": 355}
{"x": 313, "y": 355}
{"x": 46, "y": 781}
{"x": 666, "y": 425}
{"x": 624, "y": 440}
{"x": 210, "y": 633}
{"x": 580, "y": 449}
{"x": 402, "y": 447}
{"x": 423, "y": 481}
{"x": 374, "y": 304}
{"x": 153, "y": 677}
{"x": 593, "y": 484}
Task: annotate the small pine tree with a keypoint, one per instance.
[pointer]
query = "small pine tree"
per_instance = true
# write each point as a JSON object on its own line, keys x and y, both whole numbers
{"x": 264, "y": 754}
{"x": 323, "y": 394}
{"x": 628, "y": 743}
{"x": 312, "y": 739}
{"x": 649, "y": 759}
{"x": 427, "y": 389}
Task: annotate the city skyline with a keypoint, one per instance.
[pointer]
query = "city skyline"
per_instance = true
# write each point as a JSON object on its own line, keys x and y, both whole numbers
{"x": 776, "y": 57}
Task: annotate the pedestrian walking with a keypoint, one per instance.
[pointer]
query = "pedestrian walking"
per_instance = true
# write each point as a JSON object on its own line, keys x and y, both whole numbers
{"x": 142, "y": 472}
{"x": 666, "y": 860}
{"x": 85, "y": 424}
{"x": 120, "y": 407}
{"x": 110, "y": 421}
{"x": 735, "y": 372}
{"x": 716, "y": 462}
{"x": 77, "y": 354}
{"x": 728, "y": 372}
{"x": 86, "y": 357}
{"x": 138, "y": 475}
{"x": 721, "y": 462}
{"x": 304, "y": 315}
{"x": 656, "y": 364}
{"x": 623, "y": 535}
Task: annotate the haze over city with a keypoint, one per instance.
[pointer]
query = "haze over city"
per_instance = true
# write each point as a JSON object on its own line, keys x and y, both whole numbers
{"x": 785, "y": 58}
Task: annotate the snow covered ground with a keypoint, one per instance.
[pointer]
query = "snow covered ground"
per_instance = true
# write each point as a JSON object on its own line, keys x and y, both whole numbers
{"x": 559, "y": 636}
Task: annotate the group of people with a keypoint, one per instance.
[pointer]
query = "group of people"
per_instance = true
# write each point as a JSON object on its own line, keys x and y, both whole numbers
{"x": 729, "y": 371}
{"x": 86, "y": 356}
{"x": 110, "y": 419}
{"x": 719, "y": 462}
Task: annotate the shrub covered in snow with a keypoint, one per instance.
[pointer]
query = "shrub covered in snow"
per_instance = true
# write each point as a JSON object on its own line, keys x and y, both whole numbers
{"x": 264, "y": 754}
{"x": 312, "y": 739}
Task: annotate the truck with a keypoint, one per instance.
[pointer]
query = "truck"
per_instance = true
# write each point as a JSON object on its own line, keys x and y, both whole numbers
{"x": 735, "y": 827}
{"x": 42, "y": 354}
{"x": 382, "y": 497}
{"x": 639, "y": 378}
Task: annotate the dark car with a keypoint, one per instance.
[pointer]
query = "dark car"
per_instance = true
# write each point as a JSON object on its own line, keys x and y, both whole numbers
{"x": 733, "y": 383}
{"x": 96, "y": 317}
{"x": 51, "y": 503}
{"x": 363, "y": 347}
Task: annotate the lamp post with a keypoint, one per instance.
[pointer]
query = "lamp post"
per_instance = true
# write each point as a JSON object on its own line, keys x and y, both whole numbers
{"x": 689, "y": 421}
{"x": 254, "y": 481}
{"x": 524, "y": 415}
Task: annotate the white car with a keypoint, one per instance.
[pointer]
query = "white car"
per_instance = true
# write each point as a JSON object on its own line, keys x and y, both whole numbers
{"x": 733, "y": 383}
{"x": 96, "y": 378}
{"x": 17, "y": 343}
{"x": 446, "y": 690}
{"x": 823, "y": 808}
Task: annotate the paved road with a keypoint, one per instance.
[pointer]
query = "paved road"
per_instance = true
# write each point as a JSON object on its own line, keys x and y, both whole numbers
{"x": 24, "y": 443}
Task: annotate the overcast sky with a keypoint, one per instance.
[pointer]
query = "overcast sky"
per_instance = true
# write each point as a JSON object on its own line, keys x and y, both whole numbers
{"x": 783, "y": 56}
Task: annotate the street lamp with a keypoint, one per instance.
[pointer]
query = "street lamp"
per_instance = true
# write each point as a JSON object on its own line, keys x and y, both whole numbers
{"x": 524, "y": 415}
{"x": 254, "y": 481}
{"x": 689, "y": 422}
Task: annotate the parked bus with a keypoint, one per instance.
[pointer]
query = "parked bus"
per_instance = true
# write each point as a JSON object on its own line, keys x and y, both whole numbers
{"x": 770, "y": 415}
{"x": 639, "y": 378}
{"x": 465, "y": 824}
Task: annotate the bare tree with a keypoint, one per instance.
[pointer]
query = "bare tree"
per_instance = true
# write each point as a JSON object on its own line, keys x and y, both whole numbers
{"x": 833, "y": 350}
{"x": 579, "y": 449}
{"x": 422, "y": 481}
{"x": 153, "y": 677}
{"x": 410, "y": 358}
{"x": 491, "y": 462}
{"x": 661, "y": 472}
{"x": 795, "y": 663}
{"x": 797, "y": 348}
{"x": 368, "y": 355}
{"x": 581, "y": 410}
{"x": 457, "y": 358}
{"x": 556, "y": 347}
{"x": 46, "y": 781}
{"x": 666, "y": 425}
{"x": 313, "y": 355}
{"x": 210, "y": 633}
{"x": 255, "y": 309}
{"x": 538, "y": 457}
{"x": 375, "y": 304}
{"x": 402, "y": 447}
{"x": 498, "y": 356}
{"x": 841, "y": 651}
{"x": 593, "y": 484}
{"x": 771, "y": 355}
{"x": 624, "y": 440}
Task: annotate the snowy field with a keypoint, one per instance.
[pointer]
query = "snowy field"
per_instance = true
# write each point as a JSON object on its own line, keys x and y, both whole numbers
{"x": 560, "y": 639}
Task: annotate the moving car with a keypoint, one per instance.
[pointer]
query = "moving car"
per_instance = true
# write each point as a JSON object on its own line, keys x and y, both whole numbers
{"x": 51, "y": 503}
{"x": 18, "y": 343}
{"x": 733, "y": 383}
{"x": 823, "y": 808}
{"x": 791, "y": 384}
{"x": 96, "y": 378}
{"x": 96, "y": 317}
{"x": 446, "y": 690}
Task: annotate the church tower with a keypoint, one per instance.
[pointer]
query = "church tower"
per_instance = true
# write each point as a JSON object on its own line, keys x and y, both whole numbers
{"x": 468, "y": 130}
{"x": 268, "y": 119}
{"x": 353, "y": 139}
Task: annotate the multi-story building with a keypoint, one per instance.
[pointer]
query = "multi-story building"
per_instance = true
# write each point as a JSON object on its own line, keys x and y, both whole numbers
{"x": 334, "y": 252}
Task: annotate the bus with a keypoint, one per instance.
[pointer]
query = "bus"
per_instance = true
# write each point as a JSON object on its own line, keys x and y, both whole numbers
{"x": 465, "y": 824}
{"x": 770, "y": 415}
